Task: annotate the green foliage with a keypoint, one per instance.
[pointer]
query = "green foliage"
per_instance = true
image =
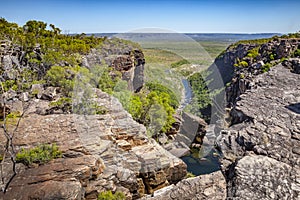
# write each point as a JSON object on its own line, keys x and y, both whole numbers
{"x": 272, "y": 56}
{"x": 266, "y": 67}
{"x": 296, "y": 53}
{"x": 152, "y": 109}
{"x": 190, "y": 175}
{"x": 154, "y": 106}
{"x": 44, "y": 47}
{"x": 63, "y": 103}
{"x": 201, "y": 101}
{"x": 256, "y": 41}
{"x": 11, "y": 118}
{"x": 253, "y": 53}
{"x": 179, "y": 63}
{"x": 9, "y": 84}
{"x": 13, "y": 115}
{"x": 292, "y": 35}
{"x": 1, "y": 158}
{"x": 58, "y": 76}
{"x": 108, "y": 80}
{"x": 108, "y": 195}
{"x": 283, "y": 59}
{"x": 241, "y": 64}
{"x": 161, "y": 89}
{"x": 40, "y": 154}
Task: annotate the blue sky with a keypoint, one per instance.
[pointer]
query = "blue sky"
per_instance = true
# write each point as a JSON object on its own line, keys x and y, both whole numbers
{"x": 202, "y": 16}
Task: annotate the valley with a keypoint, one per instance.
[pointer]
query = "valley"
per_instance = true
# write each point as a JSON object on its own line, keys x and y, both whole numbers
{"x": 148, "y": 116}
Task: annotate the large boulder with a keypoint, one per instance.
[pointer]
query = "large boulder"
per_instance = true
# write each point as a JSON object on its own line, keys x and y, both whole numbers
{"x": 208, "y": 186}
{"x": 193, "y": 128}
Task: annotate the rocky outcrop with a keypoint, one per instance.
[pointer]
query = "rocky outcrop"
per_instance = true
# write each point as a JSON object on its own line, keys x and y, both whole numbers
{"x": 293, "y": 64}
{"x": 246, "y": 61}
{"x": 125, "y": 58}
{"x": 209, "y": 186}
{"x": 100, "y": 152}
{"x": 191, "y": 133}
{"x": 261, "y": 156}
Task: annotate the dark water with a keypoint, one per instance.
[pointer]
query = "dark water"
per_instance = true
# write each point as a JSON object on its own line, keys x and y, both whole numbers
{"x": 204, "y": 165}
{"x": 199, "y": 162}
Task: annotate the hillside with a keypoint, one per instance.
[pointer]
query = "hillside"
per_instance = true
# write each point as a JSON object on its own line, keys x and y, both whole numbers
{"x": 63, "y": 136}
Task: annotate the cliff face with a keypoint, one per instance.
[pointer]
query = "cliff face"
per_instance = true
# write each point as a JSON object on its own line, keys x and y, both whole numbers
{"x": 100, "y": 152}
{"x": 261, "y": 147}
{"x": 240, "y": 64}
{"x": 105, "y": 151}
{"x": 127, "y": 59}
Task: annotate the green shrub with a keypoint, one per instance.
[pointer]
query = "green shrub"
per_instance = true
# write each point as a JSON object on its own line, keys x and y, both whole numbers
{"x": 63, "y": 103}
{"x": 201, "y": 101}
{"x": 58, "y": 76}
{"x": 253, "y": 53}
{"x": 100, "y": 110}
{"x": 243, "y": 64}
{"x": 159, "y": 89}
{"x": 108, "y": 80}
{"x": 190, "y": 175}
{"x": 296, "y": 53}
{"x": 11, "y": 118}
{"x": 283, "y": 59}
{"x": 9, "y": 84}
{"x": 266, "y": 67}
{"x": 108, "y": 195}
{"x": 40, "y": 154}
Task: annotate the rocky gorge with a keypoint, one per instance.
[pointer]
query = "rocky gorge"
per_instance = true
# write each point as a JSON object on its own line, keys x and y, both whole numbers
{"x": 104, "y": 149}
{"x": 260, "y": 147}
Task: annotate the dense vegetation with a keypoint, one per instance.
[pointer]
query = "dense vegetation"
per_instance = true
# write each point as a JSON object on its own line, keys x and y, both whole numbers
{"x": 42, "y": 49}
{"x": 153, "y": 106}
{"x": 201, "y": 102}
{"x": 54, "y": 59}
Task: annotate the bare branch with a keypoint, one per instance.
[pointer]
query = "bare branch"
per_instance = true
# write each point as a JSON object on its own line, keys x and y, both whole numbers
{"x": 9, "y": 146}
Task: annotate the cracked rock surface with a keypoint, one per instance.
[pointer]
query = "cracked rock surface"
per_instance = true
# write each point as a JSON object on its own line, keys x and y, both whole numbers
{"x": 261, "y": 154}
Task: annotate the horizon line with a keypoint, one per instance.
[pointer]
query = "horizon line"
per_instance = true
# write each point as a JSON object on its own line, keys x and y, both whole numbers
{"x": 229, "y": 33}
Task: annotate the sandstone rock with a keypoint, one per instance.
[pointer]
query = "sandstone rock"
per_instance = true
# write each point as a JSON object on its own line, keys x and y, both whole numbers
{"x": 24, "y": 97}
{"x": 193, "y": 127}
{"x": 37, "y": 89}
{"x": 261, "y": 177}
{"x": 49, "y": 93}
{"x": 240, "y": 78}
{"x": 178, "y": 149}
{"x": 90, "y": 142}
{"x": 209, "y": 186}
{"x": 271, "y": 134}
{"x": 293, "y": 64}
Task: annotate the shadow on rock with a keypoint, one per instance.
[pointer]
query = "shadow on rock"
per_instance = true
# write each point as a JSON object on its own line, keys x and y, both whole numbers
{"x": 294, "y": 107}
